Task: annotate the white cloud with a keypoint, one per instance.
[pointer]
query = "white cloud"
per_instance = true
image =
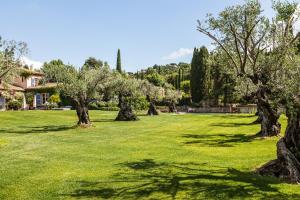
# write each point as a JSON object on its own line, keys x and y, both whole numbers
{"x": 297, "y": 24}
{"x": 35, "y": 64}
{"x": 178, "y": 54}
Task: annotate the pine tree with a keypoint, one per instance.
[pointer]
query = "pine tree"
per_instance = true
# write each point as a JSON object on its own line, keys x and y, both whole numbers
{"x": 119, "y": 66}
{"x": 199, "y": 74}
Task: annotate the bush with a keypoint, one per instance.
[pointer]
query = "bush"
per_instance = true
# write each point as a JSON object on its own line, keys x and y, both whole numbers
{"x": 103, "y": 105}
{"x": 185, "y": 86}
{"x": 140, "y": 103}
{"x": 93, "y": 106}
{"x": 29, "y": 98}
{"x": 54, "y": 99}
{"x": 50, "y": 106}
{"x": 14, "y": 105}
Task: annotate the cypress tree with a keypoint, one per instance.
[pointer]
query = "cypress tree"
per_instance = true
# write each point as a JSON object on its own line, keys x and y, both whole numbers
{"x": 119, "y": 67}
{"x": 179, "y": 79}
{"x": 199, "y": 73}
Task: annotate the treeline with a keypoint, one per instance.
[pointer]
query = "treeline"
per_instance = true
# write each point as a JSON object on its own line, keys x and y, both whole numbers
{"x": 206, "y": 81}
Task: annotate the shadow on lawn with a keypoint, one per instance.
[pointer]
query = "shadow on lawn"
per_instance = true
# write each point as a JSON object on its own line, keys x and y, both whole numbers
{"x": 37, "y": 129}
{"x": 238, "y": 116}
{"x": 232, "y": 124}
{"x": 218, "y": 140}
{"x": 145, "y": 178}
{"x": 102, "y": 120}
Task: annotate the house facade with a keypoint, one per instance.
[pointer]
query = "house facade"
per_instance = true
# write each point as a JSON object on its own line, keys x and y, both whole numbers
{"x": 27, "y": 89}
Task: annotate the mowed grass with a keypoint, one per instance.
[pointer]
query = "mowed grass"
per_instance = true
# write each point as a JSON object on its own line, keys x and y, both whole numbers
{"x": 188, "y": 156}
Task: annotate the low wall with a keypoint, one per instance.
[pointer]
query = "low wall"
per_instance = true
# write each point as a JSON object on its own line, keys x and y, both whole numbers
{"x": 244, "y": 109}
{"x": 247, "y": 109}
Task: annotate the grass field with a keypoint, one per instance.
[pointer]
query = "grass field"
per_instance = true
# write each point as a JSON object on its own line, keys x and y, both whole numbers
{"x": 189, "y": 156}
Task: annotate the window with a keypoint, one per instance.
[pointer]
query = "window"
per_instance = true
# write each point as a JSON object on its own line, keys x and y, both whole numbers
{"x": 32, "y": 82}
{"x": 2, "y": 103}
{"x": 45, "y": 97}
{"x": 36, "y": 81}
{"x": 38, "y": 99}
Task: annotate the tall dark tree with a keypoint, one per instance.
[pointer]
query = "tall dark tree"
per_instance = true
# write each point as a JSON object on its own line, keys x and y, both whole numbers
{"x": 199, "y": 73}
{"x": 179, "y": 78}
{"x": 119, "y": 65}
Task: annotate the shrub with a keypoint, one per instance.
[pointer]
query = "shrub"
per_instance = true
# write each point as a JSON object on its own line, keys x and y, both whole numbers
{"x": 55, "y": 98}
{"x": 14, "y": 105}
{"x": 109, "y": 108}
{"x": 93, "y": 106}
{"x": 29, "y": 97}
{"x": 140, "y": 103}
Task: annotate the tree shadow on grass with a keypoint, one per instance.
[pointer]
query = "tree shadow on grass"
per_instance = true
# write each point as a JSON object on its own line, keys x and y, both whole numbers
{"x": 232, "y": 124}
{"x": 102, "y": 120}
{"x": 147, "y": 178}
{"x": 37, "y": 129}
{"x": 218, "y": 140}
{"x": 238, "y": 116}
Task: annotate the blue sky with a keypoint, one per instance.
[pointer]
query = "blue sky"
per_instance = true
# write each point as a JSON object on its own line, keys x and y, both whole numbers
{"x": 148, "y": 32}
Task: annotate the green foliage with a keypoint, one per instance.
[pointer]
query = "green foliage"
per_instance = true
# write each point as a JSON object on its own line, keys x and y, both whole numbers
{"x": 156, "y": 79}
{"x": 140, "y": 103}
{"x": 168, "y": 72}
{"x": 185, "y": 87}
{"x": 284, "y": 9}
{"x": 47, "y": 69}
{"x": 25, "y": 73}
{"x": 93, "y": 63}
{"x": 199, "y": 74}
{"x": 10, "y": 54}
{"x": 79, "y": 84}
{"x": 103, "y": 105}
{"x": 14, "y": 105}
{"x": 54, "y": 98}
{"x": 257, "y": 48}
{"x": 119, "y": 65}
{"x": 29, "y": 96}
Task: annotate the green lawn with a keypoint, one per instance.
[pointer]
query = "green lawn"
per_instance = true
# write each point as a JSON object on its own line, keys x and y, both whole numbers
{"x": 189, "y": 156}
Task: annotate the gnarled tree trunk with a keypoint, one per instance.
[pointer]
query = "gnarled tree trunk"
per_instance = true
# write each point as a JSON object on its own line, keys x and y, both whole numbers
{"x": 126, "y": 113}
{"x": 172, "y": 107}
{"x": 152, "y": 110}
{"x": 269, "y": 114}
{"x": 83, "y": 113}
{"x": 259, "y": 115}
{"x": 287, "y": 164}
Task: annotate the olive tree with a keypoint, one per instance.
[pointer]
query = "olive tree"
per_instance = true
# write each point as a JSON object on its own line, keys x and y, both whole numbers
{"x": 153, "y": 94}
{"x": 287, "y": 85}
{"x": 171, "y": 97}
{"x": 129, "y": 92}
{"x": 256, "y": 48}
{"x": 82, "y": 85}
{"x": 11, "y": 53}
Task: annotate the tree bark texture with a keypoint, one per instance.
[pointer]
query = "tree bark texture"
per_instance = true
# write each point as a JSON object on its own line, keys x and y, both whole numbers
{"x": 83, "y": 113}
{"x": 126, "y": 113}
{"x": 287, "y": 164}
{"x": 270, "y": 125}
{"x": 172, "y": 108}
